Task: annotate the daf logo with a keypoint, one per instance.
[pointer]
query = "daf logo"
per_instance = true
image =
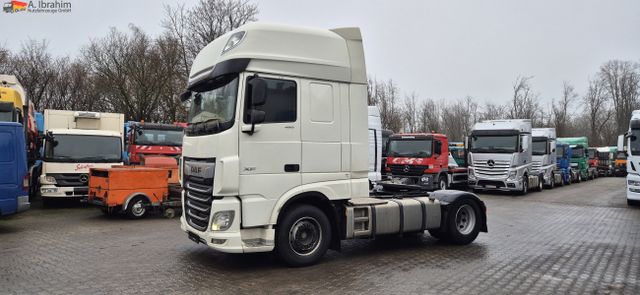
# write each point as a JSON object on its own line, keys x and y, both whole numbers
{"x": 406, "y": 168}
{"x": 84, "y": 178}
{"x": 491, "y": 163}
{"x": 196, "y": 169}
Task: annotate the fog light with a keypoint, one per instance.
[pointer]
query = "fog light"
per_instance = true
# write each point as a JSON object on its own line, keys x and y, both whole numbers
{"x": 218, "y": 241}
{"x": 222, "y": 220}
{"x": 49, "y": 190}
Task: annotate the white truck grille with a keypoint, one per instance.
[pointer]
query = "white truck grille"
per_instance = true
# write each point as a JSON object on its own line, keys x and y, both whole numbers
{"x": 491, "y": 169}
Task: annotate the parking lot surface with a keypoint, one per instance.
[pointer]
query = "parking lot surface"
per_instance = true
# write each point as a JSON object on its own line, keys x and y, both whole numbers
{"x": 575, "y": 239}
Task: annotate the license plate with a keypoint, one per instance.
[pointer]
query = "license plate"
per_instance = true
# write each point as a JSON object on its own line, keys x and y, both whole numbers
{"x": 194, "y": 237}
{"x": 490, "y": 186}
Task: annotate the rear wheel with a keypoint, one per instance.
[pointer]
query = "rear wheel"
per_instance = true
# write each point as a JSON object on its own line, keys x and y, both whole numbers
{"x": 525, "y": 185}
{"x": 137, "y": 207}
{"x": 303, "y": 236}
{"x": 552, "y": 183}
{"x": 463, "y": 222}
{"x": 579, "y": 177}
{"x": 540, "y": 183}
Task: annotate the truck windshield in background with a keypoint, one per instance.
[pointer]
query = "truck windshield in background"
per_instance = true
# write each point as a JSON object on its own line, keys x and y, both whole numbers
{"x": 212, "y": 106}
{"x": 83, "y": 148}
{"x": 634, "y": 146}
{"x": 592, "y": 154}
{"x": 494, "y": 143}
{"x": 578, "y": 152}
{"x": 413, "y": 148}
{"x": 539, "y": 146}
{"x": 159, "y": 137}
{"x": 6, "y": 116}
{"x": 559, "y": 151}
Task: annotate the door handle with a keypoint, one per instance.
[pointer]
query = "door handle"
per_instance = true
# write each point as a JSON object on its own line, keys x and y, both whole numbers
{"x": 291, "y": 167}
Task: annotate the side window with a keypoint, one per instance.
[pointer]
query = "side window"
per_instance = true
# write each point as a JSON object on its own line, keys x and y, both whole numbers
{"x": 281, "y": 102}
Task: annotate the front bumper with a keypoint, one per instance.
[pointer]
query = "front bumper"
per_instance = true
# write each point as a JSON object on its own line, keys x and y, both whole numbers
{"x": 426, "y": 181}
{"x": 52, "y": 191}
{"x": 234, "y": 239}
{"x": 506, "y": 185}
{"x": 633, "y": 187}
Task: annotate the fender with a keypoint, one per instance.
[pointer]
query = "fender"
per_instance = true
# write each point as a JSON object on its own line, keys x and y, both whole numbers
{"x": 447, "y": 197}
{"x": 131, "y": 196}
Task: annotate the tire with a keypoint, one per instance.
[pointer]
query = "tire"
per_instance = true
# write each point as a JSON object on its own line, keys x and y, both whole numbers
{"x": 525, "y": 185}
{"x": 303, "y": 236}
{"x": 137, "y": 208}
{"x": 463, "y": 222}
{"x": 633, "y": 203}
{"x": 579, "y": 179}
{"x": 436, "y": 233}
{"x": 442, "y": 183}
{"x": 552, "y": 185}
{"x": 540, "y": 186}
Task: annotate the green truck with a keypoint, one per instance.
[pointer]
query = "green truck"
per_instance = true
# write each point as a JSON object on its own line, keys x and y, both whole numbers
{"x": 579, "y": 158}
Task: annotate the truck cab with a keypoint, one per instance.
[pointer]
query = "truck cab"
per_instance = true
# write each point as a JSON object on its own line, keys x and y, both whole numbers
{"x": 633, "y": 160}
{"x": 152, "y": 139}
{"x": 579, "y": 158}
{"x": 606, "y": 161}
{"x": 544, "y": 154}
{"x": 275, "y": 155}
{"x": 500, "y": 154}
{"x": 14, "y": 179}
{"x": 563, "y": 163}
{"x": 75, "y": 142}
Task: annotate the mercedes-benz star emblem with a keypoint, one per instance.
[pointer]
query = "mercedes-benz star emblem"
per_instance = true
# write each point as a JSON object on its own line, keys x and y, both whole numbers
{"x": 406, "y": 168}
{"x": 491, "y": 163}
{"x": 84, "y": 178}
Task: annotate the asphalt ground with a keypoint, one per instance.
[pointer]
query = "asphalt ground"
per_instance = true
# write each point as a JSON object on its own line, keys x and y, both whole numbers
{"x": 572, "y": 240}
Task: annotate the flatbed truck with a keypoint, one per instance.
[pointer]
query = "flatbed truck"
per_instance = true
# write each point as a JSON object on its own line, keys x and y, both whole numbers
{"x": 275, "y": 154}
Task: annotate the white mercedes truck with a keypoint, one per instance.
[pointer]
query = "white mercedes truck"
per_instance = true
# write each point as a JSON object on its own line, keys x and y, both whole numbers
{"x": 543, "y": 151}
{"x": 633, "y": 160}
{"x": 500, "y": 154}
{"x": 75, "y": 142}
{"x": 275, "y": 154}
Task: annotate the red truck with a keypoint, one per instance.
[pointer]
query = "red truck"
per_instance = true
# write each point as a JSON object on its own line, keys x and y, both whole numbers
{"x": 423, "y": 159}
{"x": 146, "y": 139}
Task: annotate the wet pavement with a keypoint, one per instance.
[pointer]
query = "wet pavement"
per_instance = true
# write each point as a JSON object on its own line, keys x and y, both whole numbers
{"x": 575, "y": 239}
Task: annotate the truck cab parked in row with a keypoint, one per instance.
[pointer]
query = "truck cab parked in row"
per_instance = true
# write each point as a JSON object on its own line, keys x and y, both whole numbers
{"x": 563, "y": 163}
{"x": 14, "y": 178}
{"x": 579, "y": 158}
{"x": 544, "y": 155}
{"x": 152, "y": 139}
{"x": 458, "y": 152}
{"x": 74, "y": 143}
{"x": 606, "y": 161}
{"x": 633, "y": 160}
{"x": 621, "y": 157}
{"x": 423, "y": 159}
{"x": 500, "y": 154}
{"x": 275, "y": 155}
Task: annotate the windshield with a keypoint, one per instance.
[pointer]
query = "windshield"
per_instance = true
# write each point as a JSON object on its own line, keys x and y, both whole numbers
{"x": 494, "y": 144}
{"x": 560, "y": 152}
{"x": 6, "y": 117}
{"x": 420, "y": 148}
{"x": 83, "y": 148}
{"x": 592, "y": 154}
{"x": 213, "y": 106}
{"x": 578, "y": 152}
{"x": 634, "y": 146}
{"x": 159, "y": 137}
{"x": 539, "y": 147}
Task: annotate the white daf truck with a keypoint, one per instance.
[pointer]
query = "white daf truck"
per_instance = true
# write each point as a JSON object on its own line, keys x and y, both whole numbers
{"x": 275, "y": 153}
{"x": 375, "y": 145}
{"x": 544, "y": 156}
{"x": 500, "y": 154}
{"x": 75, "y": 142}
{"x": 633, "y": 160}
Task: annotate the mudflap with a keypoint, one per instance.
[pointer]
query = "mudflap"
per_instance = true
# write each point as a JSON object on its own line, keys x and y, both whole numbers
{"x": 447, "y": 197}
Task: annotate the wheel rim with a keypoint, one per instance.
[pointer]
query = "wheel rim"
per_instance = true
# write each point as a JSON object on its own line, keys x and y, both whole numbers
{"x": 465, "y": 219}
{"x": 540, "y": 183}
{"x": 305, "y": 236}
{"x": 138, "y": 209}
{"x": 443, "y": 184}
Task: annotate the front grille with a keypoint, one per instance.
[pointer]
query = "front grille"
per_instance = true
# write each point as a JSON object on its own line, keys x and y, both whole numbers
{"x": 536, "y": 165}
{"x": 499, "y": 169}
{"x": 409, "y": 170}
{"x": 70, "y": 179}
{"x": 198, "y": 191}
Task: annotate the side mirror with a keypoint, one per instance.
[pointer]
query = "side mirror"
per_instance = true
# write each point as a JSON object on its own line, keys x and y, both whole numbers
{"x": 185, "y": 95}
{"x": 258, "y": 91}
{"x": 438, "y": 148}
{"x": 255, "y": 117}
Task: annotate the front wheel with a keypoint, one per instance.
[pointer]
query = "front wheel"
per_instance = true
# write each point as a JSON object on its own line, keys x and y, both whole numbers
{"x": 442, "y": 183}
{"x": 303, "y": 236}
{"x": 463, "y": 222}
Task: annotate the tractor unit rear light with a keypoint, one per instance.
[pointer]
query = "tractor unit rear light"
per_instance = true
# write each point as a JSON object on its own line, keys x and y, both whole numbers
{"x": 25, "y": 182}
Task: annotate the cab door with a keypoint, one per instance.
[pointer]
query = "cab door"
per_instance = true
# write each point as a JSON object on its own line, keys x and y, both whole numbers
{"x": 270, "y": 151}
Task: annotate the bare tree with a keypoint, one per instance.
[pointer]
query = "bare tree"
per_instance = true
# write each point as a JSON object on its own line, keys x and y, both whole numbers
{"x": 34, "y": 68}
{"x": 560, "y": 111}
{"x": 524, "y": 103}
{"x": 385, "y": 96}
{"x": 622, "y": 83}
{"x": 429, "y": 117}
{"x": 194, "y": 28}
{"x": 410, "y": 113}
{"x": 492, "y": 111}
{"x": 596, "y": 109}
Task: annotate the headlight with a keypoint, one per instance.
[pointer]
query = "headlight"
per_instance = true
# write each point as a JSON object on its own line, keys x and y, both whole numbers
{"x": 222, "y": 220}
{"x": 233, "y": 41}
{"x": 48, "y": 180}
{"x": 512, "y": 175}
{"x": 633, "y": 182}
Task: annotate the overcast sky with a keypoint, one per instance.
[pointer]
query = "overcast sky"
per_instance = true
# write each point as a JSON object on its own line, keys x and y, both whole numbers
{"x": 437, "y": 49}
